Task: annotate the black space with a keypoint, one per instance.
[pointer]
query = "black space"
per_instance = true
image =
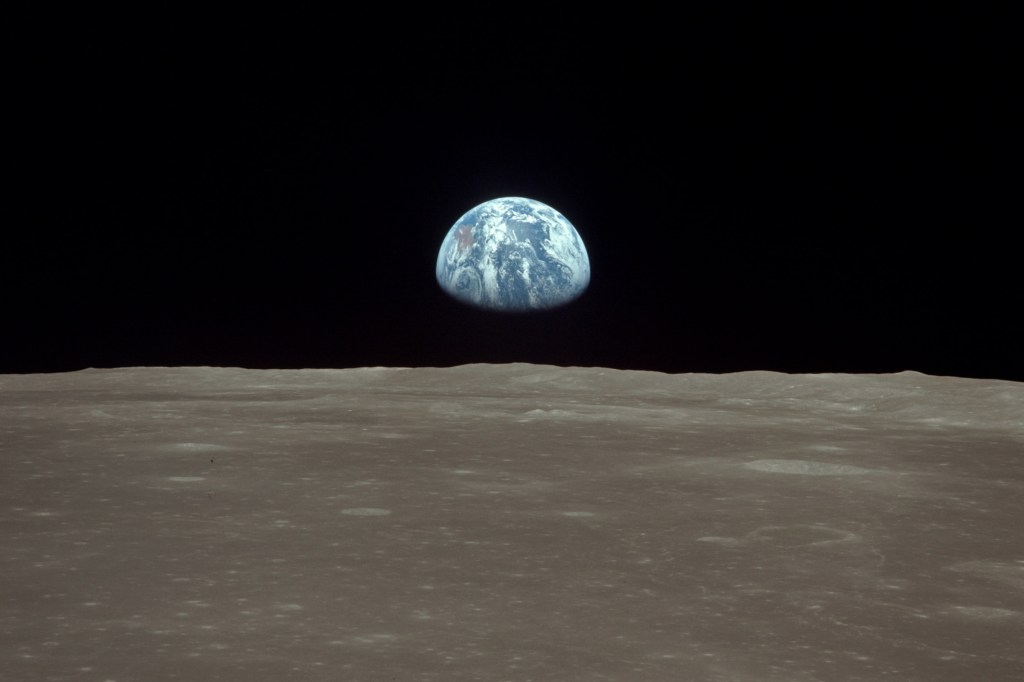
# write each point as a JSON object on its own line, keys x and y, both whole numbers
{"x": 829, "y": 190}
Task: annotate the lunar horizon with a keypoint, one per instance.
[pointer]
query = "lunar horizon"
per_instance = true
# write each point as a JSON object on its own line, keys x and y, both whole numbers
{"x": 510, "y": 522}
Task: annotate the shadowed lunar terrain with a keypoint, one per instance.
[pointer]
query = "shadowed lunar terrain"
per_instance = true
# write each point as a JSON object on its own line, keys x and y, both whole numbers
{"x": 510, "y": 522}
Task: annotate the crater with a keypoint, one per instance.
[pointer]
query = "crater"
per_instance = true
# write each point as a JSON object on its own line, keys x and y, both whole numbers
{"x": 801, "y": 536}
{"x": 365, "y": 511}
{"x": 804, "y": 467}
{"x": 983, "y": 612}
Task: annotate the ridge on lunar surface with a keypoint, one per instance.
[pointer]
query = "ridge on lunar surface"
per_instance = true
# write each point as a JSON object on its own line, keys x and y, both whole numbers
{"x": 516, "y": 522}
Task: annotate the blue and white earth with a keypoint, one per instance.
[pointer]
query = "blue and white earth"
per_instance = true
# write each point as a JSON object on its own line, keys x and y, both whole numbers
{"x": 513, "y": 255}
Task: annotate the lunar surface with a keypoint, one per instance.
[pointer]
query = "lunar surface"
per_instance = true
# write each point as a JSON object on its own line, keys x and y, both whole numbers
{"x": 510, "y": 522}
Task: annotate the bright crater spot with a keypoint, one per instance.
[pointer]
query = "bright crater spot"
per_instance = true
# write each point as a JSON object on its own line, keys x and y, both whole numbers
{"x": 365, "y": 511}
{"x": 805, "y": 468}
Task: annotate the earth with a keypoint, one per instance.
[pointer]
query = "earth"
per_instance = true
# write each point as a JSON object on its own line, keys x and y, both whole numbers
{"x": 513, "y": 255}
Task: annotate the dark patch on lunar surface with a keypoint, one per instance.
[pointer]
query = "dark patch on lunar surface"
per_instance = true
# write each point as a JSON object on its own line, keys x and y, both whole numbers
{"x": 509, "y": 522}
